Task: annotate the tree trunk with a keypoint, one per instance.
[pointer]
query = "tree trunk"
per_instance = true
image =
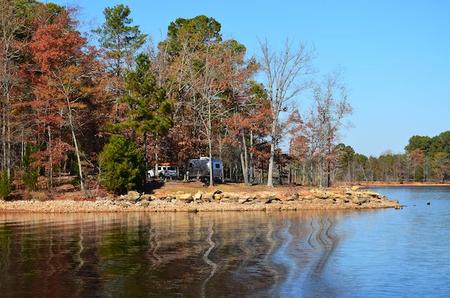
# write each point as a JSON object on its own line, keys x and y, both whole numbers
{"x": 280, "y": 174}
{"x": 304, "y": 173}
{"x": 22, "y": 148}
{"x": 211, "y": 174}
{"x": 244, "y": 159}
{"x": 251, "y": 163}
{"x": 272, "y": 154}
{"x": 220, "y": 157}
{"x": 145, "y": 151}
{"x": 156, "y": 157}
{"x": 3, "y": 138}
{"x": 244, "y": 170}
{"x": 50, "y": 159}
{"x": 75, "y": 143}
{"x": 328, "y": 173}
{"x": 8, "y": 136}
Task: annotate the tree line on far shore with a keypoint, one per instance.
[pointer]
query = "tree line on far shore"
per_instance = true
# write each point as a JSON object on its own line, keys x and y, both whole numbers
{"x": 426, "y": 159}
{"x": 105, "y": 111}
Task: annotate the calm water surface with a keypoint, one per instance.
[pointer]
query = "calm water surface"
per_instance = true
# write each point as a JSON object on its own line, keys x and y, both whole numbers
{"x": 383, "y": 253}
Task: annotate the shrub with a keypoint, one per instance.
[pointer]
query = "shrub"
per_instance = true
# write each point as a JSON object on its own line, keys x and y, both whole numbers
{"x": 29, "y": 178}
{"x": 5, "y": 185}
{"x": 30, "y": 174}
{"x": 122, "y": 165}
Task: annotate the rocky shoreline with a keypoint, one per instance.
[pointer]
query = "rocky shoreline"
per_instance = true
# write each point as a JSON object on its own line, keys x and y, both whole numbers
{"x": 200, "y": 201}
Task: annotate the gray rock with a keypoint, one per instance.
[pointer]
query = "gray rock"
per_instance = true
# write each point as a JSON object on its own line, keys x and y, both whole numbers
{"x": 147, "y": 197}
{"x": 198, "y": 196}
{"x": 307, "y": 198}
{"x": 208, "y": 197}
{"x": 371, "y": 194}
{"x": 272, "y": 200}
{"x": 293, "y": 197}
{"x": 231, "y": 197}
{"x": 186, "y": 198}
{"x": 133, "y": 196}
{"x": 360, "y": 200}
{"x": 218, "y": 196}
{"x": 244, "y": 200}
{"x": 167, "y": 199}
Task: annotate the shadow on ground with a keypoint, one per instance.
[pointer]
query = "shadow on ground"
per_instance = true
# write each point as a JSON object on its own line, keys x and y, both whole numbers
{"x": 152, "y": 185}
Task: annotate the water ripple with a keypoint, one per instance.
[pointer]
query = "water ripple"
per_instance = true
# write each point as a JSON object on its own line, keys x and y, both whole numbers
{"x": 207, "y": 260}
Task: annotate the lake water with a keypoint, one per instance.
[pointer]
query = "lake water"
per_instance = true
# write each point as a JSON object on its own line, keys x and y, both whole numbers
{"x": 382, "y": 253}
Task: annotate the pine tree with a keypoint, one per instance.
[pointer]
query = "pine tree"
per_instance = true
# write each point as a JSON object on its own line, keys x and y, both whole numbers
{"x": 149, "y": 111}
{"x": 122, "y": 165}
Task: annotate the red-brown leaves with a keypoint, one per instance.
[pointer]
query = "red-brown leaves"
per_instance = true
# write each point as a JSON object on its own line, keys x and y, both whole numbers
{"x": 57, "y": 149}
{"x": 56, "y": 44}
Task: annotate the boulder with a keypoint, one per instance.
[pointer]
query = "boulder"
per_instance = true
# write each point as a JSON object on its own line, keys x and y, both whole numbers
{"x": 218, "y": 196}
{"x": 198, "y": 196}
{"x": 272, "y": 200}
{"x": 360, "y": 200}
{"x": 371, "y": 194}
{"x": 145, "y": 204}
{"x": 320, "y": 194}
{"x": 168, "y": 199}
{"x": 230, "y": 196}
{"x": 338, "y": 201}
{"x": 132, "y": 196}
{"x": 293, "y": 197}
{"x": 208, "y": 197}
{"x": 186, "y": 198}
{"x": 307, "y": 198}
{"x": 147, "y": 197}
{"x": 245, "y": 199}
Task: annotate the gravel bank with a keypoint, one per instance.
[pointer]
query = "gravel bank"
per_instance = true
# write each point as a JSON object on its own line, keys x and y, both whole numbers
{"x": 213, "y": 201}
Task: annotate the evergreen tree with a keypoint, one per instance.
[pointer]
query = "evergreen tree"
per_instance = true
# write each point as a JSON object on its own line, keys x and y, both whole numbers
{"x": 122, "y": 165}
{"x": 149, "y": 110}
{"x": 5, "y": 185}
{"x": 119, "y": 38}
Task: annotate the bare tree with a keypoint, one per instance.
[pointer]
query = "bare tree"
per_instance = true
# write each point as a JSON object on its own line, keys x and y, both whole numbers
{"x": 285, "y": 77}
{"x": 9, "y": 52}
{"x": 330, "y": 109}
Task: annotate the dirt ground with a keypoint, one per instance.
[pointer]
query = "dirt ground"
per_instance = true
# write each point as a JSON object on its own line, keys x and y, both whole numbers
{"x": 170, "y": 187}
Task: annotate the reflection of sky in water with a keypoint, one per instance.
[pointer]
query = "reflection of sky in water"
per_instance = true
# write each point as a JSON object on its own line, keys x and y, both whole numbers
{"x": 298, "y": 254}
{"x": 398, "y": 252}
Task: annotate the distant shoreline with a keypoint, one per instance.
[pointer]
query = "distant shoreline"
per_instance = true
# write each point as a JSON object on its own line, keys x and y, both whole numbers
{"x": 404, "y": 184}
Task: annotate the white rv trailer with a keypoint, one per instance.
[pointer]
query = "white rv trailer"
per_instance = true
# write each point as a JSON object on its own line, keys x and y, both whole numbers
{"x": 199, "y": 169}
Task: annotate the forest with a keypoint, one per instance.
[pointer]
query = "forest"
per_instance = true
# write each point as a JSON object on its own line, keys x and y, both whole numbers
{"x": 100, "y": 109}
{"x": 426, "y": 159}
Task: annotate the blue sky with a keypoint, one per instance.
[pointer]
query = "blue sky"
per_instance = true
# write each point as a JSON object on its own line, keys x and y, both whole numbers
{"x": 394, "y": 55}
